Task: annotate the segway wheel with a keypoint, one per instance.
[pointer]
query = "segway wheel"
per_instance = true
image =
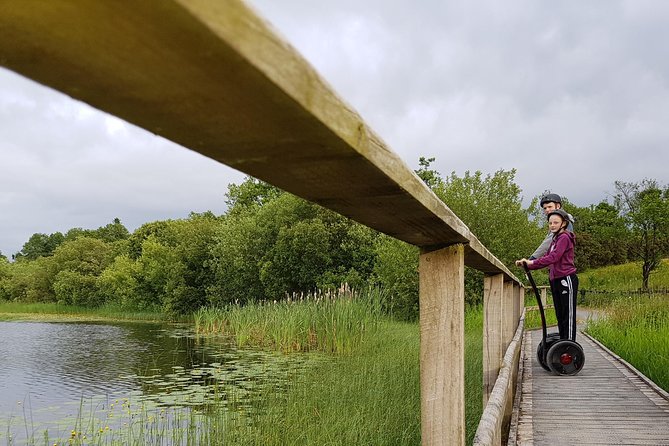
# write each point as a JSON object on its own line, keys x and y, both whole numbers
{"x": 565, "y": 357}
{"x": 541, "y": 357}
{"x": 543, "y": 348}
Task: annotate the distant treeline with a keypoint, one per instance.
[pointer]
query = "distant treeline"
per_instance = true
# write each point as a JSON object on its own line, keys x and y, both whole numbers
{"x": 270, "y": 244}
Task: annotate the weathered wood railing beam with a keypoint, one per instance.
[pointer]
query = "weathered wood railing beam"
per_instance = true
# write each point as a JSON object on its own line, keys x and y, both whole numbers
{"x": 215, "y": 78}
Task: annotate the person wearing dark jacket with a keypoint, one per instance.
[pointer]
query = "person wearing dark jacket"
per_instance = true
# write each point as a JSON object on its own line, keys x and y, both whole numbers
{"x": 561, "y": 272}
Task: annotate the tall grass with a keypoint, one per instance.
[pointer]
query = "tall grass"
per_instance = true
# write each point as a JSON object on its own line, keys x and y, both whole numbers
{"x": 334, "y": 321}
{"x": 637, "y": 329}
{"x": 370, "y": 397}
{"x": 533, "y": 318}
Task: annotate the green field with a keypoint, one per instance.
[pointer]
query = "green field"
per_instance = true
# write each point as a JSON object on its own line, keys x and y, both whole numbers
{"x": 625, "y": 277}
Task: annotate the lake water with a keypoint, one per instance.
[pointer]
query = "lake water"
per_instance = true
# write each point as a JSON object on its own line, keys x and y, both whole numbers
{"x": 57, "y": 376}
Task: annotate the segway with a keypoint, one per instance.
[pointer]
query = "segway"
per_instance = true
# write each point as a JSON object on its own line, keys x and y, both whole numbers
{"x": 560, "y": 356}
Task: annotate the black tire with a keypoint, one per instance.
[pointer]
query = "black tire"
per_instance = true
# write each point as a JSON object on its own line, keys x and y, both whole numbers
{"x": 565, "y": 357}
{"x": 541, "y": 351}
{"x": 541, "y": 357}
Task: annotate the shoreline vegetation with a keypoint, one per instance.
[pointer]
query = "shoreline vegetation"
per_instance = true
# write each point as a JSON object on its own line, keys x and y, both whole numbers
{"x": 53, "y": 312}
{"x": 331, "y": 321}
{"x": 367, "y": 391}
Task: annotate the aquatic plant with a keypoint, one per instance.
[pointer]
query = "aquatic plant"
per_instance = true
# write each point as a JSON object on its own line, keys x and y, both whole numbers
{"x": 332, "y": 321}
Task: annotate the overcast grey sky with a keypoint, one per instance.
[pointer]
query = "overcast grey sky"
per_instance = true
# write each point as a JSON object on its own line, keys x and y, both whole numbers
{"x": 572, "y": 94}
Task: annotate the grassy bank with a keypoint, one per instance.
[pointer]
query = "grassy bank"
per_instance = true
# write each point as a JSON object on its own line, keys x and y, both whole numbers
{"x": 367, "y": 393}
{"x": 626, "y": 277}
{"x": 54, "y": 312}
{"x": 637, "y": 329}
{"x": 636, "y": 325}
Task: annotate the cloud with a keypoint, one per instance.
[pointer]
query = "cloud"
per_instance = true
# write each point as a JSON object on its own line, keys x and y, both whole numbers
{"x": 68, "y": 165}
{"x": 574, "y": 95}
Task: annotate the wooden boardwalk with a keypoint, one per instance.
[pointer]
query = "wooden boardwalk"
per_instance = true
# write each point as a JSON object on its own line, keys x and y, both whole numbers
{"x": 607, "y": 403}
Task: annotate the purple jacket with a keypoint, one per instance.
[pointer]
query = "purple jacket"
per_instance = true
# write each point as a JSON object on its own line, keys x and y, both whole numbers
{"x": 559, "y": 258}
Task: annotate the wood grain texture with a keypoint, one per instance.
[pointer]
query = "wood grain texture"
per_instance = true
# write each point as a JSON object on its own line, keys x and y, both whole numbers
{"x": 442, "y": 346}
{"x": 607, "y": 403}
{"x": 493, "y": 343}
{"x": 216, "y": 78}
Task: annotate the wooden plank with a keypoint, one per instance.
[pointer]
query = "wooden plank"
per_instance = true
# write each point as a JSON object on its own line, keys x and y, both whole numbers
{"x": 508, "y": 317}
{"x": 606, "y": 403}
{"x": 442, "y": 360}
{"x": 493, "y": 350}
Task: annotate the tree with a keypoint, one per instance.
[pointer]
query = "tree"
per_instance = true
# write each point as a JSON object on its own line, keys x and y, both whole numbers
{"x": 645, "y": 207}
{"x": 272, "y": 243}
{"x": 40, "y": 245}
{"x": 396, "y": 270}
{"x": 5, "y": 271}
{"x": 602, "y": 236}
{"x": 119, "y": 284}
{"x": 491, "y": 207}
{"x": 429, "y": 176}
{"x": 158, "y": 229}
{"x": 75, "y": 267}
{"x": 236, "y": 257}
{"x": 300, "y": 255}
{"x": 75, "y": 288}
{"x": 112, "y": 232}
{"x": 28, "y": 281}
{"x": 251, "y": 193}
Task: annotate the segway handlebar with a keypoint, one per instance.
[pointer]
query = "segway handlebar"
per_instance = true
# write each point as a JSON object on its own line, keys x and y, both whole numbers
{"x": 536, "y": 294}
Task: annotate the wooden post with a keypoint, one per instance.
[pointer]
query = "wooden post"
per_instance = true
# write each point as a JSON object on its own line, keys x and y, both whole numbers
{"x": 507, "y": 314}
{"x": 518, "y": 291}
{"x": 442, "y": 352}
{"x": 493, "y": 287}
{"x": 543, "y": 296}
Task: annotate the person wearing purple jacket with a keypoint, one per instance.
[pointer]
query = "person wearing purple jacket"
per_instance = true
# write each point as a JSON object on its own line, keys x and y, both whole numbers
{"x": 561, "y": 272}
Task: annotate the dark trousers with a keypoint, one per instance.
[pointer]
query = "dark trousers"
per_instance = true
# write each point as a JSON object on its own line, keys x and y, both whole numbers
{"x": 565, "y": 290}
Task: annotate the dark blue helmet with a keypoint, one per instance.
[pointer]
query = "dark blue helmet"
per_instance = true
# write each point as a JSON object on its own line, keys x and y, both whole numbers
{"x": 550, "y": 198}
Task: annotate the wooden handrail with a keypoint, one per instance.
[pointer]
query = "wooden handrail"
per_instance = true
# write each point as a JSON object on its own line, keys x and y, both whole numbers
{"x": 215, "y": 78}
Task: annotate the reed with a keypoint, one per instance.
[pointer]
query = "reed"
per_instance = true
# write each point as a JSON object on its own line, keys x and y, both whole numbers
{"x": 125, "y": 423}
{"x": 334, "y": 321}
{"x": 369, "y": 397}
